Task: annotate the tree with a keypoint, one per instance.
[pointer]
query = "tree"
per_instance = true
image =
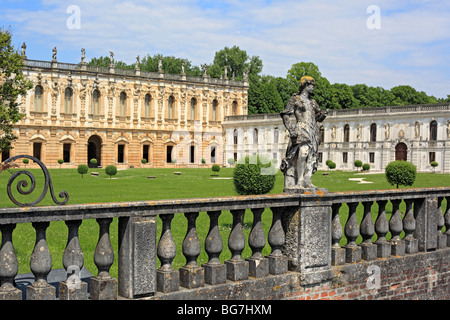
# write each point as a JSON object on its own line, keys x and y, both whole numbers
{"x": 215, "y": 168}
{"x": 111, "y": 170}
{"x": 263, "y": 97}
{"x": 82, "y": 169}
{"x": 236, "y": 60}
{"x": 358, "y": 164}
{"x": 401, "y": 173}
{"x": 13, "y": 84}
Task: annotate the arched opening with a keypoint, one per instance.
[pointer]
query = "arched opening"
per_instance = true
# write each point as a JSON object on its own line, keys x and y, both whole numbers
{"x": 433, "y": 130}
{"x": 94, "y": 150}
{"x": 401, "y": 151}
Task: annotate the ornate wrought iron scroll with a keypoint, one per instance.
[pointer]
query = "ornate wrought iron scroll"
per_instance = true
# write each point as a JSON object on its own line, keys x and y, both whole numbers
{"x": 22, "y": 184}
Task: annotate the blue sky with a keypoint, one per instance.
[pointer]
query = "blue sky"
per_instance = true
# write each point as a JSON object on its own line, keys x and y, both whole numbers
{"x": 411, "y": 45}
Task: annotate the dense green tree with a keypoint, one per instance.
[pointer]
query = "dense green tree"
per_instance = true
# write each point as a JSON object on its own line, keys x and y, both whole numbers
{"x": 13, "y": 84}
{"x": 405, "y": 94}
{"x": 263, "y": 96}
{"x": 236, "y": 60}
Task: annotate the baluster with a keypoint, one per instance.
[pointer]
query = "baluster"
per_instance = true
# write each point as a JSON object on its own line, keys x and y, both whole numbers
{"x": 73, "y": 259}
{"x": 337, "y": 253}
{"x": 258, "y": 265}
{"x": 191, "y": 275}
{"x": 103, "y": 286}
{"x": 382, "y": 228}
{"x": 215, "y": 272}
{"x": 441, "y": 238}
{"x": 368, "y": 249}
{"x": 167, "y": 278}
{"x": 237, "y": 269}
{"x": 352, "y": 251}
{"x": 396, "y": 227}
{"x": 447, "y": 221}
{"x": 409, "y": 226}
{"x": 278, "y": 263}
{"x": 9, "y": 265}
{"x": 41, "y": 265}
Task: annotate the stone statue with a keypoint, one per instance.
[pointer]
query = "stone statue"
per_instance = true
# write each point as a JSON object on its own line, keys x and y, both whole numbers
{"x": 111, "y": 59}
{"x": 54, "y": 53}
{"x": 160, "y": 66}
{"x": 24, "y": 48}
{"x": 83, "y": 54}
{"x": 300, "y": 161}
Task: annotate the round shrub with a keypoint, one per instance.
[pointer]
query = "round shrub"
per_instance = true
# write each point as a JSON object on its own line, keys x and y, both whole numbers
{"x": 434, "y": 164}
{"x": 230, "y": 161}
{"x": 358, "y": 163}
{"x": 400, "y": 173}
{"x": 254, "y": 175}
{"x": 82, "y": 169}
{"x": 60, "y": 161}
{"x": 215, "y": 168}
{"x": 331, "y": 164}
{"x": 143, "y": 161}
{"x": 366, "y": 167}
{"x": 111, "y": 170}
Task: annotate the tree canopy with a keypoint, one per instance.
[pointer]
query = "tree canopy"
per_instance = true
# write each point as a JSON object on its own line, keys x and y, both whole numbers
{"x": 269, "y": 94}
{"x": 13, "y": 84}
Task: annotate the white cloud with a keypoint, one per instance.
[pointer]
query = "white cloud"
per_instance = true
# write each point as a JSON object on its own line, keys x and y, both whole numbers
{"x": 413, "y": 40}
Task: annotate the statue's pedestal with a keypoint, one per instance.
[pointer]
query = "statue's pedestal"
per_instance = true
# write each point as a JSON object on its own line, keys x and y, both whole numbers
{"x": 314, "y": 191}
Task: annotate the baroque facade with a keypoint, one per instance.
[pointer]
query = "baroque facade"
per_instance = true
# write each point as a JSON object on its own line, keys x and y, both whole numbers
{"x": 77, "y": 112}
{"x": 417, "y": 133}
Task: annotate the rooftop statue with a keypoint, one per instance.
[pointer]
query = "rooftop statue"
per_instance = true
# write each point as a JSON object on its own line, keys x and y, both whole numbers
{"x": 300, "y": 161}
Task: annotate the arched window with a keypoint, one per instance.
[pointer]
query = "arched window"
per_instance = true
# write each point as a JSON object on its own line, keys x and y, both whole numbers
{"x": 346, "y": 133}
{"x": 193, "y": 108}
{"x": 68, "y": 93}
{"x": 276, "y": 135}
{"x": 214, "y": 110}
{"x": 122, "y": 104}
{"x": 255, "y": 136}
{"x": 433, "y": 130}
{"x": 170, "y": 108}
{"x": 95, "y": 102}
{"x": 234, "y": 109}
{"x": 235, "y": 136}
{"x": 322, "y": 134}
{"x": 373, "y": 132}
{"x": 38, "y": 91}
{"x": 147, "y": 106}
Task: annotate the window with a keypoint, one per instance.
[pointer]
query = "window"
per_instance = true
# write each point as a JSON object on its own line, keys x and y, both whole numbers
{"x": 214, "y": 111}
{"x": 37, "y": 147}
{"x": 66, "y": 152}
{"x": 145, "y": 152}
{"x": 234, "y": 109}
{"x": 276, "y": 135}
{"x": 170, "y": 108}
{"x": 121, "y": 153}
{"x": 431, "y": 157}
{"x": 373, "y": 132}
{"x": 213, "y": 154}
{"x": 319, "y": 157}
{"x": 372, "y": 157}
{"x": 95, "y": 102}
{"x": 346, "y": 133}
{"x": 433, "y": 130}
{"x": 147, "y": 106}
{"x": 344, "y": 157}
{"x": 122, "y": 103}
{"x": 322, "y": 134}
{"x": 235, "y": 136}
{"x": 192, "y": 154}
{"x": 193, "y": 107}
{"x": 255, "y": 136}
{"x": 68, "y": 93}
{"x": 38, "y": 91}
{"x": 169, "y": 154}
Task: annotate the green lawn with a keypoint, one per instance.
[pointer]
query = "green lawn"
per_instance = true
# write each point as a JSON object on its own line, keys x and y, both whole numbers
{"x": 133, "y": 185}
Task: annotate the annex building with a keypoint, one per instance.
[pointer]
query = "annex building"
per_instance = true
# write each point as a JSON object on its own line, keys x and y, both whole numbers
{"x": 417, "y": 133}
{"x": 76, "y": 113}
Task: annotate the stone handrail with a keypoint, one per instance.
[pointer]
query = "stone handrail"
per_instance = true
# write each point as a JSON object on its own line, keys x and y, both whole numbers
{"x": 304, "y": 237}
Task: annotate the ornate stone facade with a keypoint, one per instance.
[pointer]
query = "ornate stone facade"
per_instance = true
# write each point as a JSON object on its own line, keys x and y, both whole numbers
{"x": 416, "y": 133}
{"x": 77, "y": 112}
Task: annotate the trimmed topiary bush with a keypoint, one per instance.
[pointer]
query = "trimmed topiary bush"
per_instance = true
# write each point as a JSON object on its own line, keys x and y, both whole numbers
{"x": 215, "y": 168}
{"x": 434, "y": 164}
{"x": 230, "y": 161}
{"x": 400, "y": 173}
{"x": 143, "y": 161}
{"x": 111, "y": 170}
{"x": 82, "y": 169}
{"x": 366, "y": 167}
{"x": 60, "y": 161}
{"x": 358, "y": 164}
{"x": 254, "y": 175}
{"x": 331, "y": 164}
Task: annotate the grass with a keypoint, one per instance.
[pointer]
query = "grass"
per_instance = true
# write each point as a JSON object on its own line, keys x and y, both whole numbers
{"x": 133, "y": 185}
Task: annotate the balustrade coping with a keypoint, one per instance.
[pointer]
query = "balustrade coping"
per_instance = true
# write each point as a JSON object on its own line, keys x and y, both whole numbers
{"x": 157, "y": 207}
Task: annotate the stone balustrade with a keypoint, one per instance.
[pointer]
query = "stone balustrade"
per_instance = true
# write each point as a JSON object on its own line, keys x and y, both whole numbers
{"x": 309, "y": 235}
